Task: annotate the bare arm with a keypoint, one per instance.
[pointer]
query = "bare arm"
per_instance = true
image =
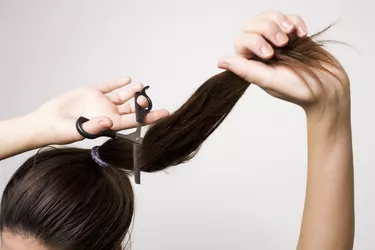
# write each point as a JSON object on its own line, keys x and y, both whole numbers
{"x": 19, "y": 135}
{"x": 328, "y": 219}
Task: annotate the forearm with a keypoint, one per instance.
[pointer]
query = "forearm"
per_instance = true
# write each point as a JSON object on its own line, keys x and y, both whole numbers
{"x": 19, "y": 135}
{"x": 328, "y": 218}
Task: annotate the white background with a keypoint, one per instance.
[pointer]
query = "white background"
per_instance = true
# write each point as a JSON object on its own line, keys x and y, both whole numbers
{"x": 245, "y": 188}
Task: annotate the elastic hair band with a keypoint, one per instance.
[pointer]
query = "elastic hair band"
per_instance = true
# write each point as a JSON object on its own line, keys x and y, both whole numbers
{"x": 95, "y": 156}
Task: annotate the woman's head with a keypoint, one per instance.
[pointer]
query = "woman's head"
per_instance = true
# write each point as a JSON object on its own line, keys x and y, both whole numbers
{"x": 62, "y": 199}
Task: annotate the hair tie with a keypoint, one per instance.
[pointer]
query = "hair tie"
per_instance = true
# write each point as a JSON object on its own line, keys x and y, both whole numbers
{"x": 95, "y": 156}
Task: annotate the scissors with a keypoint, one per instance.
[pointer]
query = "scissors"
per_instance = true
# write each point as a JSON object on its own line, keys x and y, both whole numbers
{"x": 134, "y": 137}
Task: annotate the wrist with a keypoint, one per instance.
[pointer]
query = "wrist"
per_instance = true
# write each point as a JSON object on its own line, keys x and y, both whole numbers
{"x": 328, "y": 220}
{"x": 21, "y": 134}
{"x": 329, "y": 120}
{"x": 36, "y": 132}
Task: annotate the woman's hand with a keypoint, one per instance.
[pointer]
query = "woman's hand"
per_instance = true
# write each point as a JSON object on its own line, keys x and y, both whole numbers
{"x": 324, "y": 93}
{"x": 330, "y": 88}
{"x": 106, "y": 104}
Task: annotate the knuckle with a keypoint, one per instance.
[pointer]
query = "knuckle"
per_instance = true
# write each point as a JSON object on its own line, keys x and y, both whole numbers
{"x": 262, "y": 26}
{"x": 242, "y": 73}
{"x": 273, "y": 15}
{"x": 270, "y": 27}
{"x": 256, "y": 40}
{"x": 295, "y": 18}
{"x": 249, "y": 41}
{"x": 119, "y": 98}
{"x": 249, "y": 24}
{"x": 239, "y": 41}
{"x": 84, "y": 89}
{"x": 89, "y": 89}
{"x": 126, "y": 108}
{"x": 137, "y": 86}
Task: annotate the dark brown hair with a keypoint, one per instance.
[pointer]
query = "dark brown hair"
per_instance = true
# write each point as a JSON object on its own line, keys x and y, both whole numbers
{"x": 65, "y": 200}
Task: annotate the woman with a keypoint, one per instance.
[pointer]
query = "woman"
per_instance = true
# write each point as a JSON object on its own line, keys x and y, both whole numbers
{"x": 73, "y": 223}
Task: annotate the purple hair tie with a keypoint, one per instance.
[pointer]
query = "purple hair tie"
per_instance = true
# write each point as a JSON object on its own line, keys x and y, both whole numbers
{"x": 95, "y": 156}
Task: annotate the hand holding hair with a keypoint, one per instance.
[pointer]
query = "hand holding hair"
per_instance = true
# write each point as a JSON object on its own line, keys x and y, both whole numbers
{"x": 306, "y": 75}
{"x": 302, "y": 72}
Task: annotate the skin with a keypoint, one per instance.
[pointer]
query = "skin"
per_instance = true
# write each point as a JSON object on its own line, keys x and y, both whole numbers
{"x": 17, "y": 242}
{"x": 106, "y": 105}
{"x": 12, "y": 241}
{"x": 328, "y": 218}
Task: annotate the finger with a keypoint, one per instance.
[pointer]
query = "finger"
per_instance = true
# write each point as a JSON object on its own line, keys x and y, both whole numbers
{"x": 122, "y": 96}
{"x": 247, "y": 45}
{"x": 97, "y": 124}
{"x": 300, "y": 25}
{"x": 268, "y": 29}
{"x": 110, "y": 86}
{"x": 286, "y": 24}
{"x": 129, "y": 121}
{"x": 129, "y": 107}
{"x": 153, "y": 116}
{"x": 252, "y": 71}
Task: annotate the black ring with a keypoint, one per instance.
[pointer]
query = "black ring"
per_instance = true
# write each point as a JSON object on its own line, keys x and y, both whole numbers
{"x": 107, "y": 133}
{"x": 139, "y": 110}
{"x": 143, "y": 92}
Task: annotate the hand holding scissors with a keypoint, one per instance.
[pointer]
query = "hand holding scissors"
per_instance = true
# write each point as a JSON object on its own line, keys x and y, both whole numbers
{"x": 134, "y": 137}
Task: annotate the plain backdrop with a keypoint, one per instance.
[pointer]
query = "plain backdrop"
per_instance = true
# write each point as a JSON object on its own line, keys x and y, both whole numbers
{"x": 245, "y": 189}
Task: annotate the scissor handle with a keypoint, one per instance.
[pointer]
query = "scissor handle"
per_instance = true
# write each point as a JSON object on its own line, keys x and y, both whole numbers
{"x": 107, "y": 133}
{"x": 141, "y": 112}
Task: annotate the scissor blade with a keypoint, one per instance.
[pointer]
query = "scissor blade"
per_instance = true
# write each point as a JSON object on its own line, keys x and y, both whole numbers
{"x": 139, "y": 129}
{"x": 133, "y": 137}
{"x": 137, "y": 171}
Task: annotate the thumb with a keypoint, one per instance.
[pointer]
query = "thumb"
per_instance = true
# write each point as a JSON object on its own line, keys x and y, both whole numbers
{"x": 250, "y": 70}
{"x": 97, "y": 125}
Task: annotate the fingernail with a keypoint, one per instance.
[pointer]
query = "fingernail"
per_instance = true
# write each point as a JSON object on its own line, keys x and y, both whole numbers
{"x": 223, "y": 64}
{"x": 266, "y": 50}
{"x": 281, "y": 38}
{"x": 287, "y": 25}
{"x": 302, "y": 31}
